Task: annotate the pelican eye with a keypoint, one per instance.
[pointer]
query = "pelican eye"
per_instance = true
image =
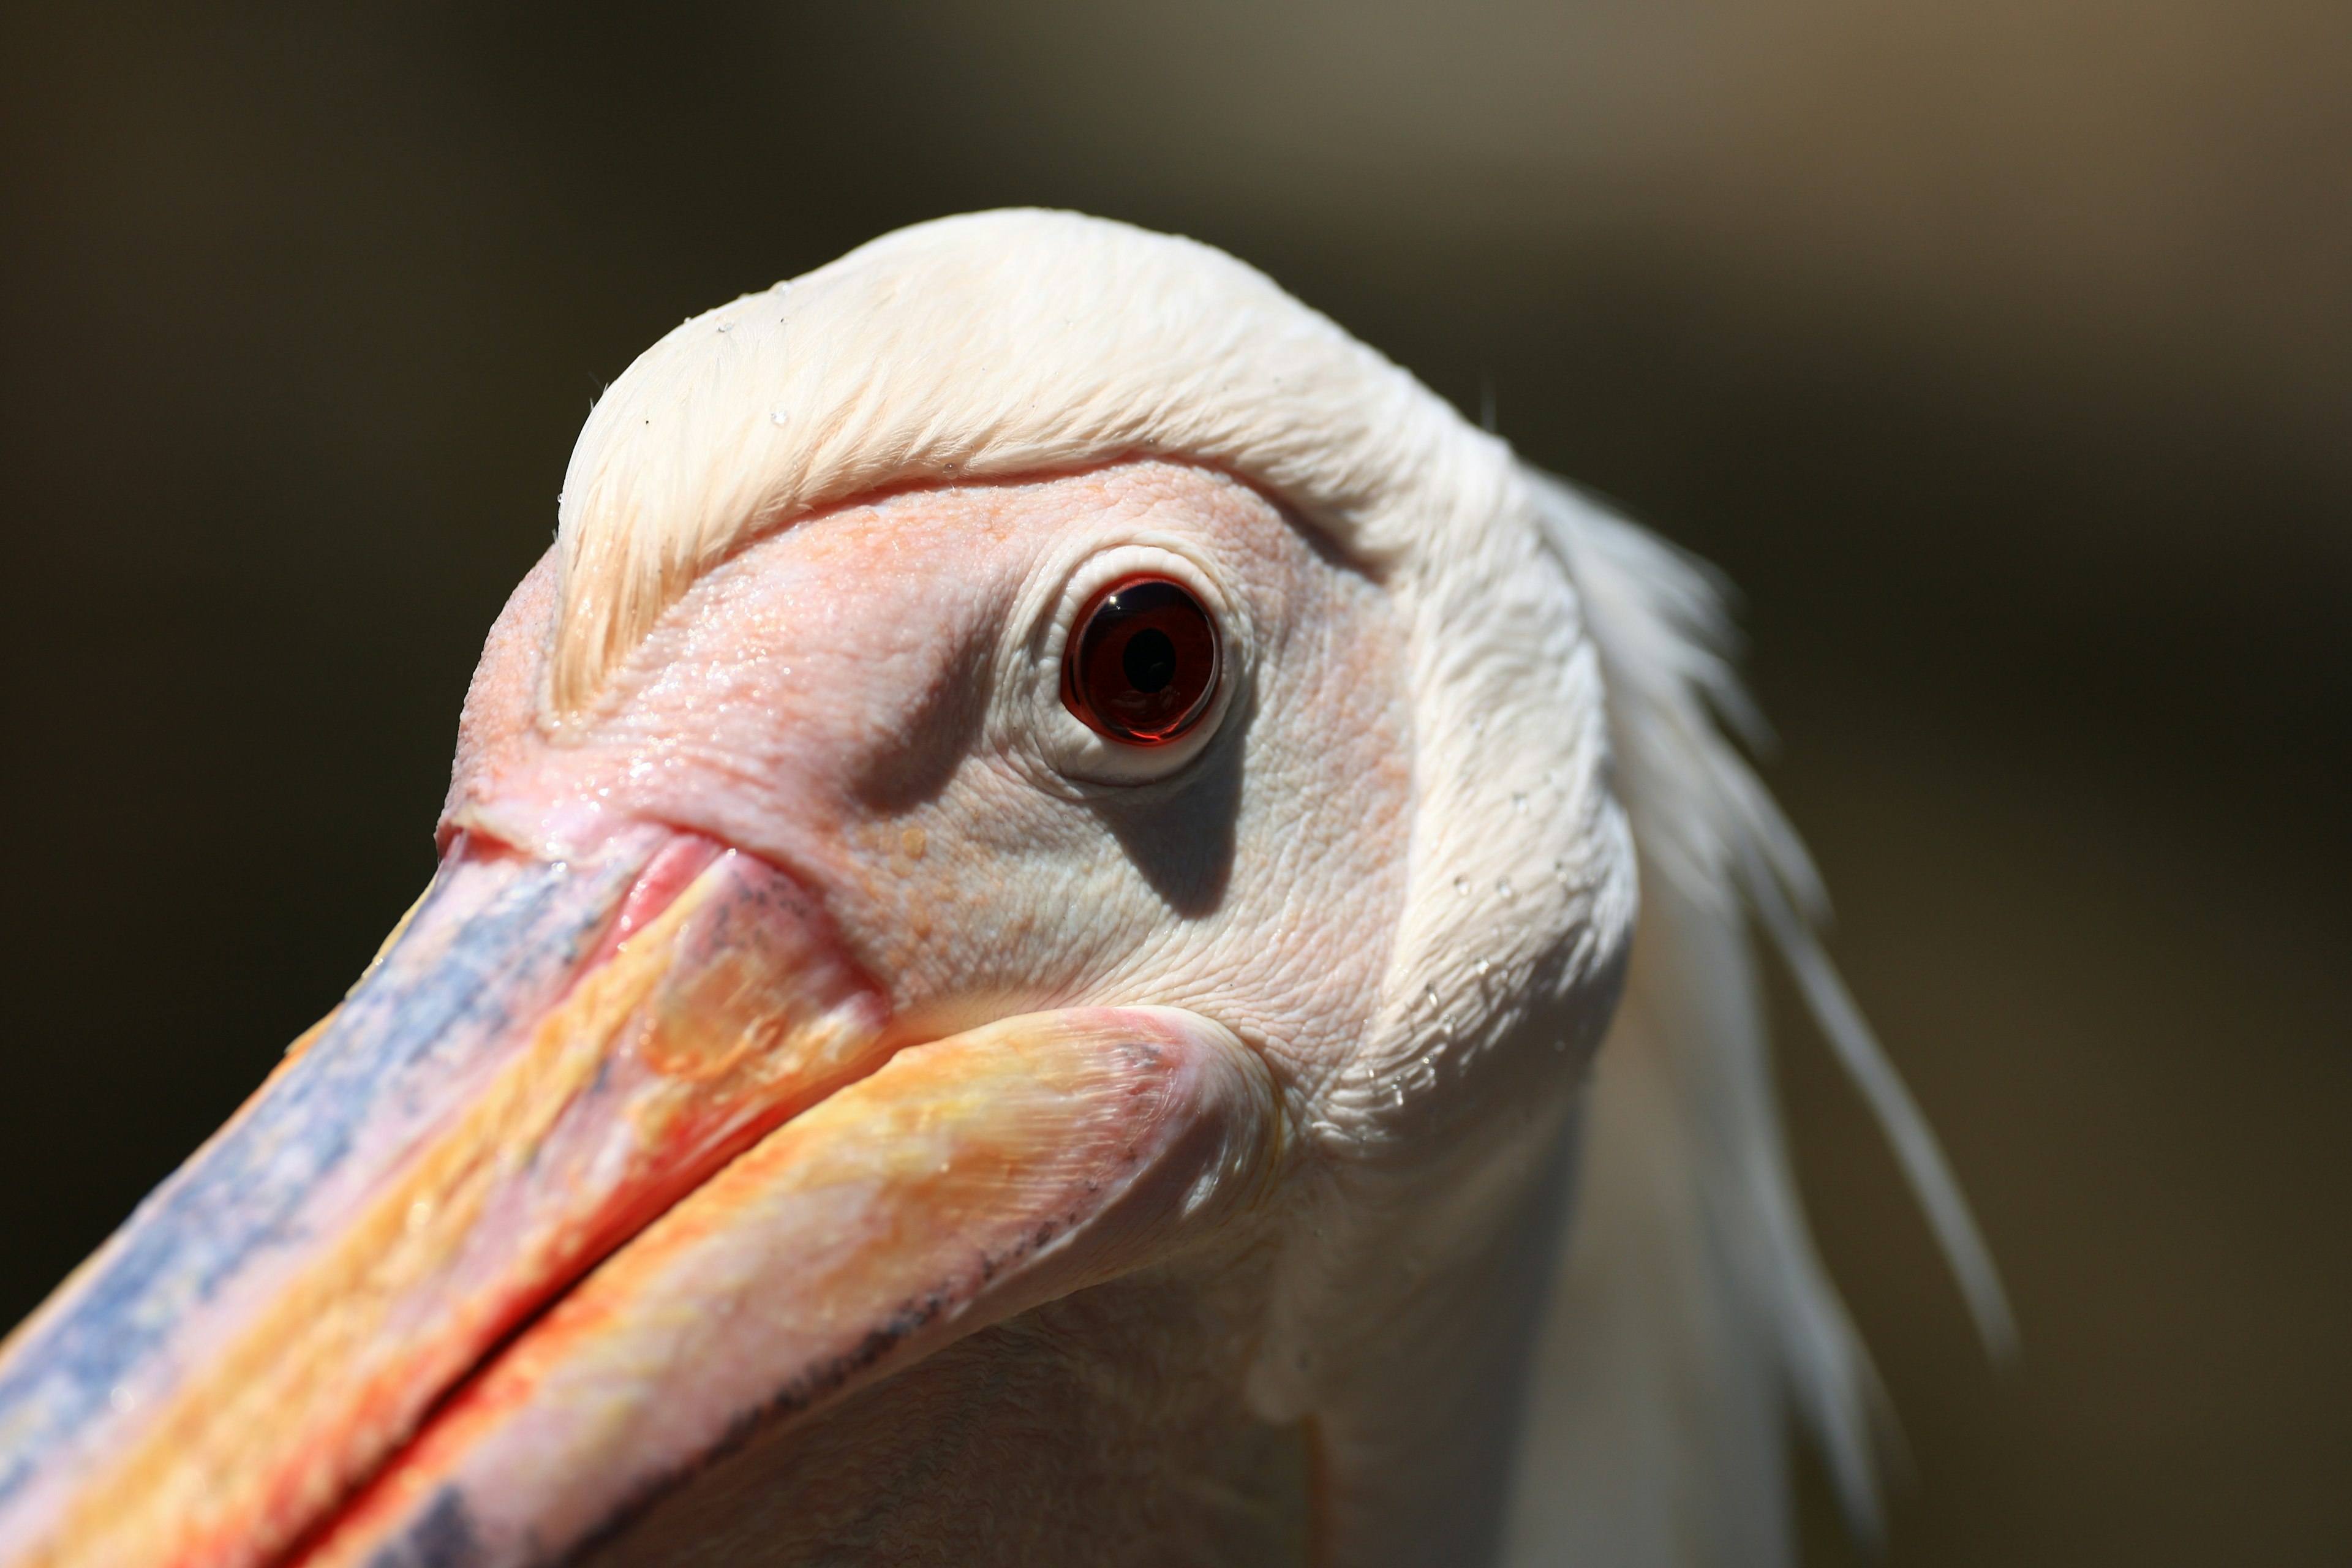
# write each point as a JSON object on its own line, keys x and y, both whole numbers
{"x": 1144, "y": 662}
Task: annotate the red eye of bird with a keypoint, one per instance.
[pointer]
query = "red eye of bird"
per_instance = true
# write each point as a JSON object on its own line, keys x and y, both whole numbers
{"x": 1142, "y": 664}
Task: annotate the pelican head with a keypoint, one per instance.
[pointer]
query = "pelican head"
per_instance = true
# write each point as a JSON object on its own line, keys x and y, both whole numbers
{"x": 1026, "y": 901}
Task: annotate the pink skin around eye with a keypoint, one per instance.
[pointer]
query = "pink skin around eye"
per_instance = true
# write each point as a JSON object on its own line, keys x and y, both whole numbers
{"x": 829, "y": 702}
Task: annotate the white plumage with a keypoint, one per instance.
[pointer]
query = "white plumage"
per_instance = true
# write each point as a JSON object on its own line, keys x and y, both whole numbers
{"x": 1691, "y": 1309}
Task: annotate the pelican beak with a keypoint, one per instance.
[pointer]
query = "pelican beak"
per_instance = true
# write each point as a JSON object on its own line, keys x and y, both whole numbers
{"x": 600, "y": 1162}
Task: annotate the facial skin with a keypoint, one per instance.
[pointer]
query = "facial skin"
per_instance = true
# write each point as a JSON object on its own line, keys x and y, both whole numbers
{"x": 867, "y": 700}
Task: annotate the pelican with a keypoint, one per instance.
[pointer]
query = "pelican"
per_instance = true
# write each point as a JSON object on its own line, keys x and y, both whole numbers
{"x": 1074, "y": 926}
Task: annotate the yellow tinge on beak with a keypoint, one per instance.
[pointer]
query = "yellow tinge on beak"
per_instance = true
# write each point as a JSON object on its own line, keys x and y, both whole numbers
{"x": 965, "y": 1180}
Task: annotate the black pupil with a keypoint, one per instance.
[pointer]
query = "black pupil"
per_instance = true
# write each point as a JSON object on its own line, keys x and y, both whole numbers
{"x": 1145, "y": 667}
{"x": 1149, "y": 659}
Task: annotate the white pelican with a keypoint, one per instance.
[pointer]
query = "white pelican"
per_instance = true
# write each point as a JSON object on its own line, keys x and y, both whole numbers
{"x": 1026, "y": 899}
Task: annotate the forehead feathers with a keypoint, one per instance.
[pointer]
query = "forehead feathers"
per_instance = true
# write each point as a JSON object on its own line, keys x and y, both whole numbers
{"x": 989, "y": 345}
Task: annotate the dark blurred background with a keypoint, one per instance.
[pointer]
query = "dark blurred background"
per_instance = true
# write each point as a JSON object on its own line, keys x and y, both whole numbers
{"x": 2000, "y": 351}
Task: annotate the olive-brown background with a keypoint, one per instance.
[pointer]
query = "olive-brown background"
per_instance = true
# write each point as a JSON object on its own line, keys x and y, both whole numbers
{"x": 2002, "y": 349}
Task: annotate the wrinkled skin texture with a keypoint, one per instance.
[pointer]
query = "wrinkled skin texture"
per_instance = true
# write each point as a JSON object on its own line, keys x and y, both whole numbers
{"x": 843, "y": 698}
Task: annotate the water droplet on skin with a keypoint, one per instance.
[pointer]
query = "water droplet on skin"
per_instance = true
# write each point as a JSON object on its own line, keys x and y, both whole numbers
{"x": 726, "y": 326}
{"x": 1559, "y": 1045}
{"x": 1559, "y": 869}
{"x": 777, "y": 416}
{"x": 1504, "y": 887}
{"x": 122, "y": 1398}
{"x": 1400, "y": 1094}
{"x": 1481, "y": 967}
{"x": 1520, "y": 800}
{"x": 420, "y": 1215}
{"x": 1431, "y": 992}
{"x": 1461, "y": 887}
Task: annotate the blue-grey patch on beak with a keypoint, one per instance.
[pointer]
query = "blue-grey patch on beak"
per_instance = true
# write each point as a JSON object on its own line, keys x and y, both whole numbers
{"x": 444, "y": 1537}
{"x": 493, "y": 942}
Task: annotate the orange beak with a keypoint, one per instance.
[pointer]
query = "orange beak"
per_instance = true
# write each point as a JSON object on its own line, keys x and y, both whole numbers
{"x": 598, "y": 1163}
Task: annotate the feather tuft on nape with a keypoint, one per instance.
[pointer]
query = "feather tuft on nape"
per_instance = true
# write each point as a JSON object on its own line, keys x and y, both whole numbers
{"x": 1690, "y": 1300}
